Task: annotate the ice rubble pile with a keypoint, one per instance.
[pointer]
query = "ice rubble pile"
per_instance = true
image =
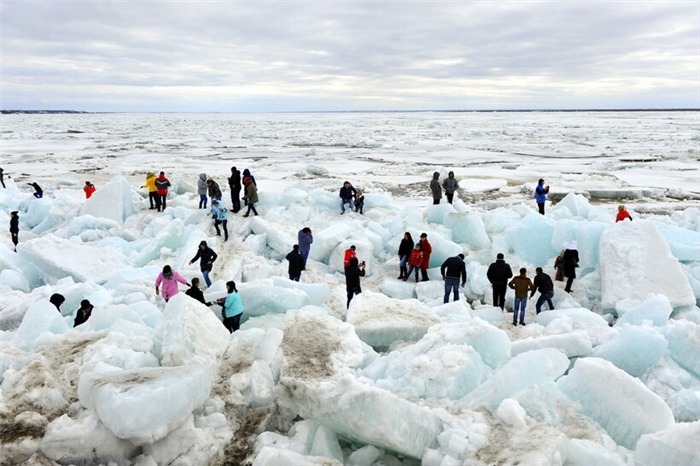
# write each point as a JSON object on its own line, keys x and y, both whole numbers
{"x": 400, "y": 378}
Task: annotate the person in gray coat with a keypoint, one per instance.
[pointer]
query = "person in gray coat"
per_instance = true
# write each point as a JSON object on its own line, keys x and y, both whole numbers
{"x": 202, "y": 190}
{"x": 451, "y": 185}
{"x": 436, "y": 188}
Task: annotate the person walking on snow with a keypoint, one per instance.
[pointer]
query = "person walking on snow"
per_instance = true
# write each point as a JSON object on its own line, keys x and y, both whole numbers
{"x": 543, "y": 282}
{"x": 541, "y": 192}
{"x": 219, "y": 213}
{"x": 232, "y": 307}
{"x": 89, "y": 189}
{"x": 195, "y": 293}
{"x": 152, "y": 190}
{"x": 570, "y": 264}
{"x": 251, "y": 195}
{"x": 452, "y": 269}
{"x": 234, "y": 182}
{"x": 622, "y": 214}
{"x": 169, "y": 279}
{"x": 305, "y": 239}
{"x": 415, "y": 260}
{"x": 349, "y": 254}
{"x": 353, "y": 272}
{"x": 83, "y": 313}
{"x": 296, "y": 263}
{"x": 498, "y": 274}
{"x": 451, "y": 185}
{"x": 202, "y": 190}
{"x": 347, "y": 194}
{"x": 206, "y": 258}
{"x": 38, "y": 192}
{"x": 162, "y": 185}
{"x": 14, "y": 228}
{"x": 522, "y": 285}
{"x": 426, "y": 249}
{"x": 405, "y": 249}
{"x": 214, "y": 190}
{"x": 435, "y": 188}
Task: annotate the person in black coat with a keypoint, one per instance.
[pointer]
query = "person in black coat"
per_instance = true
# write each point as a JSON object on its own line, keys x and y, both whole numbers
{"x": 234, "y": 182}
{"x": 543, "y": 282}
{"x": 452, "y": 270}
{"x": 405, "y": 249}
{"x": 39, "y": 193}
{"x": 57, "y": 299}
{"x": 206, "y": 258}
{"x": 570, "y": 264}
{"x": 195, "y": 293}
{"x": 498, "y": 274}
{"x": 347, "y": 196}
{"x": 2, "y": 177}
{"x": 14, "y": 228}
{"x": 296, "y": 263}
{"x": 83, "y": 313}
{"x": 353, "y": 272}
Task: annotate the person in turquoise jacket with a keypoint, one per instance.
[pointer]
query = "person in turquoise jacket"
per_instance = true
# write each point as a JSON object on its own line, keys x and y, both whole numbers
{"x": 232, "y": 307}
{"x": 219, "y": 212}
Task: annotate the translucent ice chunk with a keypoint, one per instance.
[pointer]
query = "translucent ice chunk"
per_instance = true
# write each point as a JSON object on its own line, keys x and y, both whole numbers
{"x": 265, "y": 299}
{"x": 684, "y": 243}
{"x": 41, "y": 317}
{"x": 113, "y": 201}
{"x": 684, "y": 344}
{"x": 531, "y": 239}
{"x": 635, "y": 350}
{"x": 469, "y": 229}
{"x": 586, "y": 453}
{"x": 575, "y": 344}
{"x": 676, "y": 445}
{"x": 318, "y": 293}
{"x": 655, "y": 308}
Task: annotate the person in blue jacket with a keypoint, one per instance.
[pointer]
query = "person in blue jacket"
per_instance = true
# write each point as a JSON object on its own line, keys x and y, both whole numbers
{"x": 219, "y": 212}
{"x": 347, "y": 196}
{"x": 541, "y": 192}
{"x": 232, "y": 307}
{"x": 305, "y": 239}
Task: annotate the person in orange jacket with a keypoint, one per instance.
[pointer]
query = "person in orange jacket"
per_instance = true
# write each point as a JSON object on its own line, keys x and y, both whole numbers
{"x": 152, "y": 191}
{"x": 415, "y": 260}
{"x": 622, "y": 214}
{"x": 349, "y": 254}
{"x": 89, "y": 188}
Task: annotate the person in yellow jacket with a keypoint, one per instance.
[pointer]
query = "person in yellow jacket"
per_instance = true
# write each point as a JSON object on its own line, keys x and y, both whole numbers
{"x": 151, "y": 185}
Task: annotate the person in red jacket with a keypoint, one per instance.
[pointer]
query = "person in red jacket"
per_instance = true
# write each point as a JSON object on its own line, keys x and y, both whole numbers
{"x": 162, "y": 185}
{"x": 89, "y": 188}
{"x": 622, "y": 214}
{"x": 415, "y": 260}
{"x": 426, "y": 249}
{"x": 349, "y": 254}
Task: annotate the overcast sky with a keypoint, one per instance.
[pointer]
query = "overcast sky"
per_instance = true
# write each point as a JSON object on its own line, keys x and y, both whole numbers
{"x": 325, "y": 55}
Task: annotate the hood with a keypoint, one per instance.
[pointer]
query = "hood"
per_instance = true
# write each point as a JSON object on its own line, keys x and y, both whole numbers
{"x": 204, "y": 243}
{"x": 203, "y": 176}
{"x": 162, "y": 177}
{"x": 246, "y": 172}
{"x": 436, "y": 175}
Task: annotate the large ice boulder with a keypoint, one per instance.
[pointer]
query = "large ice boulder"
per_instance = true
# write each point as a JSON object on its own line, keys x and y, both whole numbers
{"x": 113, "y": 201}
{"x": 469, "y": 229}
{"x": 326, "y": 240}
{"x": 144, "y": 405}
{"x": 684, "y": 243}
{"x": 398, "y": 289}
{"x": 531, "y": 239}
{"x": 380, "y": 321}
{"x": 171, "y": 236}
{"x": 318, "y": 293}
{"x": 363, "y": 414}
{"x": 41, "y": 317}
{"x": 581, "y": 316}
{"x": 635, "y": 260}
{"x": 574, "y": 344}
{"x": 586, "y": 453}
{"x": 191, "y": 334}
{"x": 277, "y": 238}
{"x": 265, "y": 299}
{"x": 676, "y": 445}
{"x": 620, "y": 403}
{"x": 684, "y": 344}
{"x": 656, "y": 308}
{"x": 635, "y": 350}
{"x": 437, "y": 213}
{"x": 271, "y": 456}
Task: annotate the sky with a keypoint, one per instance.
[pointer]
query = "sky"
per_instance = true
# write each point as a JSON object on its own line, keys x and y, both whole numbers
{"x": 280, "y": 56}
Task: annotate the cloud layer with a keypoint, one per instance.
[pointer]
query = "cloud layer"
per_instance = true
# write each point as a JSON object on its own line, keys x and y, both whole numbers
{"x": 301, "y": 56}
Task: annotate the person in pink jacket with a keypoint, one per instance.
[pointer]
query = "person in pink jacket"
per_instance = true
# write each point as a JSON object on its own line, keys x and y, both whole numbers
{"x": 169, "y": 278}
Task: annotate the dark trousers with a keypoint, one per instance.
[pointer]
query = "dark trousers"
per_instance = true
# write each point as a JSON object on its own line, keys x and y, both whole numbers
{"x": 236, "y": 199}
{"x": 499, "y": 295}
{"x": 351, "y": 294}
{"x": 15, "y": 239}
{"x": 451, "y": 285}
{"x": 305, "y": 255}
{"x": 436, "y": 201}
{"x": 424, "y": 275}
{"x": 544, "y": 297}
{"x": 410, "y": 271}
{"x": 449, "y": 197}
{"x": 569, "y": 282}
{"x": 233, "y": 323}
{"x": 153, "y": 199}
{"x": 218, "y": 222}
{"x": 251, "y": 207}
{"x": 39, "y": 195}
{"x": 161, "y": 201}
{"x": 541, "y": 207}
{"x": 294, "y": 277}
{"x": 2, "y": 181}
{"x": 202, "y": 201}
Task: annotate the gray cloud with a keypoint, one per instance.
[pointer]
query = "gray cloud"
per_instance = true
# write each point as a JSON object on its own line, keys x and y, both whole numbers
{"x": 342, "y": 55}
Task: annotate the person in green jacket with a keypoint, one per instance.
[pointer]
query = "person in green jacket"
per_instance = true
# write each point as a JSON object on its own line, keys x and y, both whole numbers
{"x": 251, "y": 195}
{"x": 232, "y": 307}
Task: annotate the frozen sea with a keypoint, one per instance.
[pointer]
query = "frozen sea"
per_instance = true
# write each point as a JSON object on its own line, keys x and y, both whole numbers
{"x": 610, "y": 377}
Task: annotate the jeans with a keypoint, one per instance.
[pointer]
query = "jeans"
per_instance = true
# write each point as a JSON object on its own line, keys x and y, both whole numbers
{"x": 202, "y": 201}
{"x": 520, "y": 304}
{"x": 541, "y": 300}
{"x": 451, "y": 284}
{"x": 236, "y": 199}
{"x": 217, "y": 222}
{"x": 404, "y": 259}
{"x": 205, "y": 273}
{"x": 305, "y": 255}
{"x": 410, "y": 271}
{"x": 294, "y": 277}
{"x": 499, "y": 295}
{"x": 233, "y": 323}
{"x": 342, "y": 204}
{"x": 251, "y": 207}
{"x": 449, "y": 197}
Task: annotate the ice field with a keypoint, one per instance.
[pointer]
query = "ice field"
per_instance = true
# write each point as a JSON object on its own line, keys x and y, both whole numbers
{"x": 610, "y": 377}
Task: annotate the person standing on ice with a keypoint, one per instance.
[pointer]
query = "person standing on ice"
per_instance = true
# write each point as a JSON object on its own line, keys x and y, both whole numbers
{"x": 251, "y": 195}
{"x": 451, "y": 185}
{"x": 498, "y": 274}
{"x": 195, "y": 293}
{"x": 169, "y": 279}
{"x": 415, "y": 260}
{"x": 543, "y": 282}
{"x": 214, "y": 190}
{"x": 14, "y": 228}
{"x": 353, "y": 272}
{"x": 541, "y": 192}
{"x": 83, "y": 313}
{"x": 522, "y": 285}
{"x": 206, "y": 258}
{"x": 57, "y": 299}
{"x": 219, "y": 212}
{"x": 152, "y": 190}
{"x": 305, "y": 239}
{"x": 202, "y": 190}
{"x": 405, "y": 249}
{"x": 2, "y": 177}
{"x": 435, "y": 188}
{"x": 349, "y": 254}
{"x": 426, "y": 249}
{"x": 559, "y": 266}
{"x": 570, "y": 264}
{"x": 232, "y": 307}
{"x": 89, "y": 189}
{"x": 234, "y": 182}
{"x": 452, "y": 269}
{"x": 38, "y": 192}
{"x": 360, "y": 202}
{"x": 162, "y": 185}
{"x": 296, "y": 263}
{"x": 347, "y": 195}
{"x": 622, "y": 214}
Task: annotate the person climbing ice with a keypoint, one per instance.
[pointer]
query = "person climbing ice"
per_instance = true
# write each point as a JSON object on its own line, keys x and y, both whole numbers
{"x": 89, "y": 189}
{"x": 622, "y": 214}
{"x": 57, "y": 299}
{"x": 452, "y": 270}
{"x": 195, "y": 292}
{"x": 232, "y": 307}
{"x": 83, "y": 313}
{"x": 169, "y": 279}
{"x": 522, "y": 285}
{"x": 219, "y": 213}
{"x": 543, "y": 283}
{"x": 349, "y": 254}
{"x": 38, "y": 192}
{"x": 206, "y": 257}
{"x": 251, "y": 195}
{"x": 214, "y": 190}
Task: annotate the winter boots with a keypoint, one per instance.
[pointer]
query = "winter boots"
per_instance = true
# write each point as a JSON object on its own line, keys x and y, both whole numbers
{"x": 404, "y": 273}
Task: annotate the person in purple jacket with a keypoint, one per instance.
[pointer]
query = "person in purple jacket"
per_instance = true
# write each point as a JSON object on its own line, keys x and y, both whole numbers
{"x": 305, "y": 239}
{"x": 169, "y": 279}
